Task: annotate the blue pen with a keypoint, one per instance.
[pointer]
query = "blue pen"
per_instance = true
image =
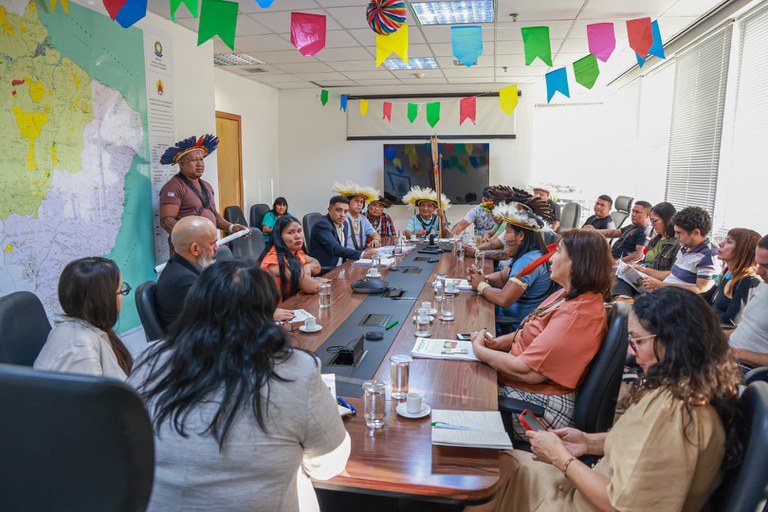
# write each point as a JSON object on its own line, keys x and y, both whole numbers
{"x": 345, "y": 404}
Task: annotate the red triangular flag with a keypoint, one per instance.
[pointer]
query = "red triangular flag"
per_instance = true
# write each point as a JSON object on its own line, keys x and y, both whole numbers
{"x": 640, "y": 35}
{"x": 387, "y": 111}
{"x": 468, "y": 109}
{"x": 113, "y": 7}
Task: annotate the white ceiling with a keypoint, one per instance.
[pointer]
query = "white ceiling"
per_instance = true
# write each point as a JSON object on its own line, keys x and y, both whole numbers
{"x": 348, "y": 59}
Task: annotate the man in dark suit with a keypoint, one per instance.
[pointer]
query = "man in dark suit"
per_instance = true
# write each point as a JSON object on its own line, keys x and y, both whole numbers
{"x": 328, "y": 239}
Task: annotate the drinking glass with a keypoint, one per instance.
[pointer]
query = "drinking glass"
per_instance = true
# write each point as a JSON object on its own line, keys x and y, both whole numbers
{"x": 447, "y": 309}
{"x": 423, "y": 323}
{"x": 375, "y": 261}
{"x": 398, "y": 249}
{"x": 459, "y": 250}
{"x": 374, "y": 406}
{"x": 439, "y": 287}
{"x": 479, "y": 260}
{"x": 324, "y": 292}
{"x": 399, "y": 370}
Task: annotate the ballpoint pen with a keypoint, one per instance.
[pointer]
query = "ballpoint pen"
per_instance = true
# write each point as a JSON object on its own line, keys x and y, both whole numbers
{"x": 346, "y": 404}
{"x": 449, "y": 426}
{"x": 391, "y": 325}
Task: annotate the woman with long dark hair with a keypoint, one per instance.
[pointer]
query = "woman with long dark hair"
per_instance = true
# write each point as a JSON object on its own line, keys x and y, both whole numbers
{"x": 240, "y": 416}
{"x": 279, "y": 208}
{"x": 91, "y": 292}
{"x": 668, "y": 450}
{"x": 662, "y": 248}
{"x": 285, "y": 259}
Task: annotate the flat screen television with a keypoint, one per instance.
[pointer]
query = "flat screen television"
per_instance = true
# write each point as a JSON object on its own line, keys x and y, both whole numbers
{"x": 464, "y": 171}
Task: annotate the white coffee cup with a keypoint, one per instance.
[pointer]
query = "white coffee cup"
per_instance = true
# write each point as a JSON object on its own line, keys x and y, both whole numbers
{"x": 310, "y": 323}
{"x": 413, "y": 238}
{"x": 451, "y": 288}
{"x": 414, "y": 402}
{"x": 427, "y": 305}
{"x": 373, "y": 272}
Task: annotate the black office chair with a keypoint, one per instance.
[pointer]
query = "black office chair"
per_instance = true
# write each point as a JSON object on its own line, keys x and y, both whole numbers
{"x": 73, "y": 443}
{"x": 24, "y": 328}
{"x": 224, "y": 253}
{"x": 756, "y": 374}
{"x": 257, "y": 213}
{"x": 308, "y": 222}
{"x": 596, "y": 401}
{"x": 745, "y": 488}
{"x": 250, "y": 247}
{"x": 235, "y": 215}
{"x": 145, "y": 305}
{"x": 570, "y": 216}
{"x": 623, "y": 203}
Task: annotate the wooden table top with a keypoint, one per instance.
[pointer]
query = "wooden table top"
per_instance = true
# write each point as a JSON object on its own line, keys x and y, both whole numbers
{"x": 400, "y": 459}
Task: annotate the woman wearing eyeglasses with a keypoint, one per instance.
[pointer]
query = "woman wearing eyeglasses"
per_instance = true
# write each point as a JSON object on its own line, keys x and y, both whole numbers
{"x": 91, "y": 292}
{"x": 668, "y": 450}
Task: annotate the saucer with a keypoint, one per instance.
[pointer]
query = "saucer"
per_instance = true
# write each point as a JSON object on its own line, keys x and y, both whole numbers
{"x": 402, "y": 410}
{"x": 303, "y": 328}
{"x": 431, "y": 317}
{"x": 373, "y": 276}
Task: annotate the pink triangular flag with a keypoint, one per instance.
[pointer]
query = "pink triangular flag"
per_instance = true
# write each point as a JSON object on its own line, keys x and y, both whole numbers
{"x": 602, "y": 40}
{"x": 468, "y": 110}
{"x": 387, "y": 111}
{"x": 308, "y": 32}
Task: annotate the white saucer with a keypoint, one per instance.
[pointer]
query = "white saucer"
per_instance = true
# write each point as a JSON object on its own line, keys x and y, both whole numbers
{"x": 402, "y": 410}
{"x": 303, "y": 328}
{"x": 431, "y": 317}
{"x": 373, "y": 276}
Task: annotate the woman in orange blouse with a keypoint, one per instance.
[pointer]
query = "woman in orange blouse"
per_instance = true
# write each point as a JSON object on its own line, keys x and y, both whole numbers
{"x": 286, "y": 260}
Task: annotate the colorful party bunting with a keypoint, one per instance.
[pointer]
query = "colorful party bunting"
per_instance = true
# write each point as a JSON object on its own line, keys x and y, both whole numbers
{"x": 265, "y": 4}
{"x": 307, "y": 32}
{"x": 536, "y": 44}
{"x": 640, "y": 35}
{"x": 363, "y": 107}
{"x": 557, "y": 80}
{"x": 602, "y": 40}
{"x": 343, "y": 102}
{"x": 467, "y": 43}
{"x": 396, "y": 43}
{"x": 413, "y": 111}
{"x": 387, "y": 111}
{"x": 586, "y": 71}
{"x": 657, "y": 48}
{"x": 218, "y": 18}
{"x": 468, "y": 110}
{"x": 64, "y": 5}
{"x": 323, "y": 97}
{"x": 433, "y": 113}
{"x": 191, "y": 5}
{"x": 133, "y": 11}
{"x": 113, "y": 7}
{"x": 385, "y": 16}
{"x": 508, "y": 99}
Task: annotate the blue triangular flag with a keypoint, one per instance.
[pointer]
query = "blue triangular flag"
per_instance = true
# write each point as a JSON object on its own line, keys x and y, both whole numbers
{"x": 265, "y": 4}
{"x": 657, "y": 48}
{"x": 343, "y": 102}
{"x": 557, "y": 80}
{"x": 132, "y": 11}
{"x": 467, "y": 43}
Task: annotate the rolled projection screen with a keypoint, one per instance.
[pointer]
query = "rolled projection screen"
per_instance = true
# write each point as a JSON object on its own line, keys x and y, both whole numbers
{"x": 492, "y": 122}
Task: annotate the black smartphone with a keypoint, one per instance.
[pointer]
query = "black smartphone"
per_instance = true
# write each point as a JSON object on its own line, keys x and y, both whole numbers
{"x": 530, "y": 421}
{"x": 464, "y": 336}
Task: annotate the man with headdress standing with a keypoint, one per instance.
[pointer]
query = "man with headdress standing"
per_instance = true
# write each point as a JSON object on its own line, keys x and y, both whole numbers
{"x": 187, "y": 193}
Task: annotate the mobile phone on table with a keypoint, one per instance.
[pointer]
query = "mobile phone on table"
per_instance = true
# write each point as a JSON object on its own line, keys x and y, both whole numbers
{"x": 530, "y": 421}
{"x": 464, "y": 336}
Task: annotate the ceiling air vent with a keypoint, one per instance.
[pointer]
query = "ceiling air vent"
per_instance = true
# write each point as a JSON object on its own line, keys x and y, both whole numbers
{"x": 255, "y": 70}
{"x": 234, "y": 59}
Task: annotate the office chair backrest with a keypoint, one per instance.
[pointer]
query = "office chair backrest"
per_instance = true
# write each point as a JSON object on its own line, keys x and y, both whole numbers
{"x": 745, "y": 487}
{"x": 147, "y": 309}
{"x": 258, "y": 211}
{"x": 623, "y": 203}
{"x": 250, "y": 247}
{"x": 599, "y": 390}
{"x": 24, "y": 328}
{"x": 224, "y": 253}
{"x": 235, "y": 215}
{"x": 73, "y": 443}
{"x": 570, "y": 217}
{"x": 308, "y": 222}
{"x": 619, "y": 218}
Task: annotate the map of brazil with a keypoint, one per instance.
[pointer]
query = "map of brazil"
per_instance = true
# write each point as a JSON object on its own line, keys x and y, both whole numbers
{"x": 74, "y": 171}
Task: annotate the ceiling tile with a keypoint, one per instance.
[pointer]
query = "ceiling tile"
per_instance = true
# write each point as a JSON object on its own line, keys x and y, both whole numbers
{"x": 350, "y": 17}
{"x": 320, "y": 77}
{"x": 408, "y": 73}
{"x": 369, "y": 75}
{"x": 280, "y": 57}
{"x": 339, "y": 39}
{"x": 423, "y": 81}
{"x": 280, "y": 22}
{"x": 625, "y": 9}
{"x": 692, "y": 8}
{"x": 574, "y": 45}
{"x": 268, "y": 78}
{"x": 250, "y": 6}
{"x": 341, "y": 54}
{"x": 294, "y": 85}
{"x": 468, "y": 72}
{"x": 268, "y": 42}
{"x": 246, "y": 26}
{"x": 393, "y": 81}
{"x": 447, "y": 62}
{"x": 511, "y": 31}
{"x": 536, "y": 10}
{"x": 521, "y": 70}
{"x": 305, "y": 67}
{"x": 355, "y": 65}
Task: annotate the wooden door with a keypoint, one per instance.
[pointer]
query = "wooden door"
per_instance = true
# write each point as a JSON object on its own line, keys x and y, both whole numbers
{"x": 230, "y": 161}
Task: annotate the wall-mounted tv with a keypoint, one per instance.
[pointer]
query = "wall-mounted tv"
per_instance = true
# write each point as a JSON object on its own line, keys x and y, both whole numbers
{"x": 464, "y": 171}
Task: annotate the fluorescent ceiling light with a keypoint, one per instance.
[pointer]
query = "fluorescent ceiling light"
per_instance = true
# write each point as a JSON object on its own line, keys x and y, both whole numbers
{"x": 453, "y": 13}
{"x": 234, "y": 59}
{"x": 413, "y": 63}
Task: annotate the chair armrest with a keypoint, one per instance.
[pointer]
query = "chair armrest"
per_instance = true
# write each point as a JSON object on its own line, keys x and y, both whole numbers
{"x": 513, "y": 405}
{"x": 755, "y": 374}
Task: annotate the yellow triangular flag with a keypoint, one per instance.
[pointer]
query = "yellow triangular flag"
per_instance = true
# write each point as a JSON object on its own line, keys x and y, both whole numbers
{"x": 396, "y": 42}
{"x": 64, "y": 5}
{"x": 508, "y": 99}
{"x": 363, "y": 107}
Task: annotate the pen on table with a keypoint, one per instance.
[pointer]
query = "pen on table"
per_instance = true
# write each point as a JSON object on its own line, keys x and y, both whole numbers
{"x": 441, "y": 424}
{"x": 391, "y": 325}
{"x": 346, "y": 404}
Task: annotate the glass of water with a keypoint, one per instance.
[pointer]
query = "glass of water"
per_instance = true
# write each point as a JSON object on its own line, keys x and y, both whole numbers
{"x": 399, "y": 370}
{"x": 459, "y": 249}
{"x": 324, "y": 292}
{"x": 374, "y": 404}
{"x": 423, "y": 323}
{"x": 479, "y": 260}
{"x": 447, "y": 308}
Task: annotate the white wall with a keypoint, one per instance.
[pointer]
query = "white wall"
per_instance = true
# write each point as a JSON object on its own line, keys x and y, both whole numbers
{"x": 257, "y": 105}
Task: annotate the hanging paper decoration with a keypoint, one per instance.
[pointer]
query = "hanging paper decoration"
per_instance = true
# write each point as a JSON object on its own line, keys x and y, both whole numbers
{"x": 467, "y": 43}
{"x": 602, "y": 40}
{"x": 413, "y": 111}
{"x": 218, "y": 18}
{"x": 343, "y": 102}
{"x": 413, "y": 158}
{"x": 385, "y": 16}
{"x": 536, "y": 44}
{"x": 308, "y": 32}
{"x": 586, "y": 71}
{"x": 468, "y": 110}
{"x": 131, "y": 12}
{"x": 640, "y": 35}
{"x": 323, "y": 97}
{"x": 508, "y": 99}
{"x": 396, "y": 43}
{"x": 113, "y": 7}
{"x": 191, "y": 5}
{"x": 657, "y": 48}
{"x": 64, "y": 5}
{"x": 557, "y": 80}
{"x": 433, "y": 113}
{"x": 265, "y": 4}
{"x": 387, "y": 111}
{"x": 363, "y": 107}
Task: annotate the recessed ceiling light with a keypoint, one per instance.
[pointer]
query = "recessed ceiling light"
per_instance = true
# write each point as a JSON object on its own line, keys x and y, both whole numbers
{"x": 413, "y": 63}
{"x": 453, "y": 13}
{"x": 234, "y": 59}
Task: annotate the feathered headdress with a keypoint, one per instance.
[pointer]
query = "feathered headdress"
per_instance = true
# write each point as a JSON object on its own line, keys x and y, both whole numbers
{"x": 418, "y": 194}
{"x": 525, "y": 200}
{"x": 351, "y": 189}
{"x": 519, "y": 215}
{"x": 386, "y": 203}
{"x": 206, "y": 143}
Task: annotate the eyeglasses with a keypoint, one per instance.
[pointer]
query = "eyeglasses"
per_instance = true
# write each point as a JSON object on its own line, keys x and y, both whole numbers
{"x": 125, "y": 290}
{"x": 654, "y": 221}
{"x": 633, "y": 342}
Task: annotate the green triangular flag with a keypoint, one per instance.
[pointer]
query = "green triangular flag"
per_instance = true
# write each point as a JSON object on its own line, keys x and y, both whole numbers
{"x": 413, "y": 111}
{"x": 191, "y": 5}
{"x": 586, "y": 71}
{"x": 218, "y": 18}
{"x": 324, "y": 97}
{"x": 433, "y": 113}
{"x": 536, "y": 44}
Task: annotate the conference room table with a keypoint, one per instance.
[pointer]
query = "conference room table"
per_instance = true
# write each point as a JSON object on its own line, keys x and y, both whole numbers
{"x": 400, "y": 460}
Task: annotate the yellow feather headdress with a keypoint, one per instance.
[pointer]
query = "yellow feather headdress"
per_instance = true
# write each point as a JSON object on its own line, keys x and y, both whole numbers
{"x": 418, "y": 194}
{"x": 351, "y": 189}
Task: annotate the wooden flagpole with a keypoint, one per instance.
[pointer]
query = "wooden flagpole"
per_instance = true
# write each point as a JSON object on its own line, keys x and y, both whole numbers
{"x": 436, "y": 170}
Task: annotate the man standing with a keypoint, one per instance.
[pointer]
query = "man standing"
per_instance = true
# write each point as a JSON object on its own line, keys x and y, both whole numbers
{"x": 544, "y": 193}
{"x": 328, "y": 240}
{"x": 749, "y": 342}
{"x": 187, "y": 193}
{"x": 633, "y": 238}
{"x": 358, "y": 225}
{"x": 601, "y": 220}
{"x": 480, "y": 217}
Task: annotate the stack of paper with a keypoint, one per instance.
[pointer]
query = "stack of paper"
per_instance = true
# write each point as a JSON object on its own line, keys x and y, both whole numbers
{"x": 433, "y": 348}
{"x": 461, "y": 284}
{"x": 476, "y": 429}
{"x": 300, "y": 315}
{"x": 363, "y": 262}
